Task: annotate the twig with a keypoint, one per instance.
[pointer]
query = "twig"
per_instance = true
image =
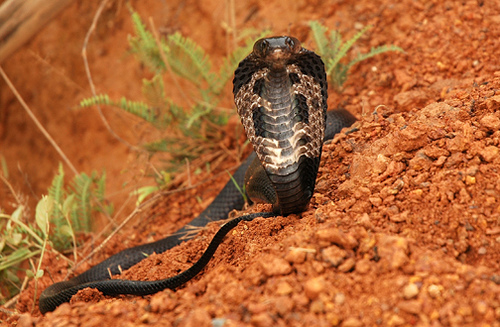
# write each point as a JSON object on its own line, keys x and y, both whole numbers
{"x": 91, "y": 83}
{"x": 188, "y": 172}
{"x": 37, "y": 122}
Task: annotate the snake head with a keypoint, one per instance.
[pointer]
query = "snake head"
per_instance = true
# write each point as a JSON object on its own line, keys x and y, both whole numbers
{"x": 277, "y": 49}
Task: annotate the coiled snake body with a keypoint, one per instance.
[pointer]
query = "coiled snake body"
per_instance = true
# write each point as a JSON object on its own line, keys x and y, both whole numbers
{"x": 280, "y": 92}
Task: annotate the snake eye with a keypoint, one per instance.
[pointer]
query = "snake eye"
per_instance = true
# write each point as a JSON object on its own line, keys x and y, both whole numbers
{"x": 293, "y": 44}
{"x": 260, "y": 48}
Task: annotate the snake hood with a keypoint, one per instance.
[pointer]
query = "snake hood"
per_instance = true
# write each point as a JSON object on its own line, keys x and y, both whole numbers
{"x": 280, "y": 91}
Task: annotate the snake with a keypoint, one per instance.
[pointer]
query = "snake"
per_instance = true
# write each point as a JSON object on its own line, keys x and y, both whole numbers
{"x": 280, "y": 92}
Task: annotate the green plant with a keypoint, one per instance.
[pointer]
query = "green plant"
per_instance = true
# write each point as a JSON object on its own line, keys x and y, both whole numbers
{"x": 333, "y": 49}
{"x": 74, "y": 205}
{"x": 22, "y": 242}
{"x": 58, "y": 216}
{"x": 192, "y": 124}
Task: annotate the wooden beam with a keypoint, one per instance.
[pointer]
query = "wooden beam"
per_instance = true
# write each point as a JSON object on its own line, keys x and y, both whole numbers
{"x": 22, "y": 19}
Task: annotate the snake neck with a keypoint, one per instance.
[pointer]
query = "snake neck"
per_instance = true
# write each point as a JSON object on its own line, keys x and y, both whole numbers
{"x": 280, "y": 93}
{"x": 283, "y": 141}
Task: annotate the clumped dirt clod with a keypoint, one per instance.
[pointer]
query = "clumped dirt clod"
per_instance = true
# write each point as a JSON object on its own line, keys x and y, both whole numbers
{"x": 404, "y": 226}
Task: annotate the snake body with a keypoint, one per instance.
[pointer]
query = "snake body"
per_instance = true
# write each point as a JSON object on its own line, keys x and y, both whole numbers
{"x": 280, "y": 92}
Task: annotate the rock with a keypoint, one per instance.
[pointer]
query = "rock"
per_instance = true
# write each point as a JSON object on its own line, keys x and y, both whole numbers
{"x": 296, "y": 255}
{"x": 199, "y": 317}
{"x": 25, "y": 320}
{"x": 412, "y": 306}
{"x": 493, "y": 103}
{"x": 283, "y": 305}
{"x": 481, "y": 307}
{"x": 276, "y": 267}
{"x": 396, "y": 320}
{"x": 410, "y": 291}
{"x": 399, "y": 217}
{"x": 411, "y": 138}
{"x": 336, "y": 236}
{"x": 262, "y": 320}
{"x": 317, "y": 306}
{"x": 434, "y": 290}
{"x": 334, "y": 255}
{"x": 352, "y": 322}
{"x": 420, "y": 162}
{"x": 393, "y": 250}
{"x": 434, "y": 152}
{"x": 375, "y": 201}
{"x": 490, "y": 122}
{"x": 314, "y": 287}
{"x": 410, "y": 99}
{"x": 163, "y": 302}
{"x": 348, "y": 265}
{"x": 363, "y": 266}
{"x": 284, "y": 288}
{"x": 339, "y": 298}
{"x": 489, "y": 153}
{"x": 380, "y": 164}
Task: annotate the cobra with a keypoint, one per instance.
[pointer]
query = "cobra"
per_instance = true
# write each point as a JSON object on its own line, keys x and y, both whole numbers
{"x": 280, "y": 91}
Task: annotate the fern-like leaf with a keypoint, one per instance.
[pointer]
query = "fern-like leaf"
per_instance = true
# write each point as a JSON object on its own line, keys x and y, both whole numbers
{"x": 319, "y": 35}
{"x": 56, "y": 192}
{"x": 342, "y": 51}
{"x": 137, "y": 108}
{"x": 81, "y": 185}
{"x": 143, "y": 44}
{"x": 373, "y": 52}
{"x": 188, "y": 59}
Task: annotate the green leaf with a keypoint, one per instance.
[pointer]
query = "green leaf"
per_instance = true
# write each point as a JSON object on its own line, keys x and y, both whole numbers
{"x": 68, "y": 204}
{"x": 43, "y": 209}
{"x": 39, "y": 273}
{"x": 15, "y": 239}
{"x": 144, "y": 192}
{"x": 16, "y": 215}
{"x": 66, "y": 230}
{"x": 188, "y": 59}
{"x": 319, "y": 35}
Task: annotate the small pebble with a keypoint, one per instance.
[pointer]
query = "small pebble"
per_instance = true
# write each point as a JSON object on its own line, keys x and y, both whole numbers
{"x": 412, "y": 306}
{"x": 396, "y": 320}
{"x": 481, "y": 307}
{"x": 334, "y": 255}
{"x": 363, "y": 266}
{"x": 25, "y": 320}
{"x": 339, "y": 298}
{"x": 276, "y": 267}
{"x": 262, "y": 320}
{"x": 296, "y": 255}
{"x": 198, "y": 317}
{"x": 317, "y": 306}
{"x": 284, "y": 289}
{"x": 490, "y": 122}
{"x": 347, "y": 265}
{"x": 434, "y": 291}
{"x": 336, "y": 236}
{"x": 313, "y": 287}
{"x": 352, "y": 322}
{"x": 410, "y": 291}
{"x": 481, "y": 250}
{"x": 489, "y": 153}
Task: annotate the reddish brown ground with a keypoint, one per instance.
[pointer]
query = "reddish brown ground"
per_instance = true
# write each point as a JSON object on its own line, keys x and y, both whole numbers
{"x": 404, "y": 228}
